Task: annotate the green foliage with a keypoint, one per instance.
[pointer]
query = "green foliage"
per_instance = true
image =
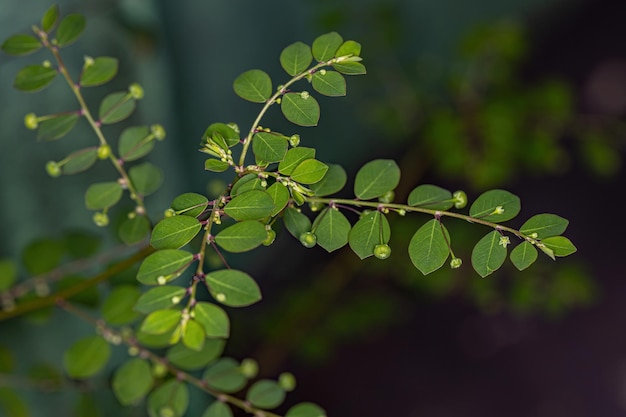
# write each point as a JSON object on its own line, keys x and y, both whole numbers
{"x": 86, "y": 357}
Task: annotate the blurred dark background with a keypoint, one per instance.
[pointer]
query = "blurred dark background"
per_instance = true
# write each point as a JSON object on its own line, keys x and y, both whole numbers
{"x": 529, "y": 96}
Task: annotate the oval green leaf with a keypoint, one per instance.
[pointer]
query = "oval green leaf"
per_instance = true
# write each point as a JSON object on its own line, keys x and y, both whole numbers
{"x": 102, "y": 70}
{"x": 103, "y": 195}
{"x": 57, "y": 127}
{"x": 215, "y": 165}
{"x": 266, "y": 394}
{"x": 309, "y": 171}
{"x": 296, "y": 58}
{"x": 174, "y": 232}
{"x": 431, "y": 197}
{"x": 253, "y": 85}
{"x": 50, "y": 18}
{"x": 34, "y": 78}
{"x": 371, "y": 229}
{"x": 293, "y": 158}
{"x": 559, "y": 245}
{"x": 233, "y": 288}
{"x": 269, "y": 147}
{"x": 331, "y": 229}
{"x": 193, "y": 335}
{"x": 8, "y": 274}
{"x": 70, "y": 29}
{"x": 301, "y": 109}
{"x": 375, "y": 178}
{"x": 161, "y": 321}
{"x": 428, "y": 249}
{"x": 242, "y": 236}
{"x": 496, "y": 206}
{"x": 159, "y": 298}
{"x": 225, "y": 375}
{"x": 226, "y": 132}
{"x": 544, "y": 225}
{"x": 524, "y": 255}
{"x": 218, "y": 409}
{"x": 333, "y": 181}
{"x": 213, "y": 318}
{"x": 171, "y": 399}
{"x": 296, "y": 222}
{"x": 489, "y": 254}
{"x": 325, "y": 46}
{"x": 190, "y": 360}
{"x": 86, "y": 357}
{"x": 329, "y": 83}
{"x": 306, "y": 410}
{"x": 132, "y": 381}
{"x": 117, "y": 309}
{"x": 116, "y": 107}
{"x": 247, "y": 183}
{"x": 134, "y": 143}
{"x": 146, "y": 178}
{"x": 80, "y": 161}
{"x": 280, "y": 196}
{"x": 163, "y": 266}
{"x": 21, "y": 45}
{"x": 134, "y": 229}
{"x": 349, "y": 48}
{"x": 251, "y": 205}
{"x": 190, "y": 204}
{"x": 350, "y": 68}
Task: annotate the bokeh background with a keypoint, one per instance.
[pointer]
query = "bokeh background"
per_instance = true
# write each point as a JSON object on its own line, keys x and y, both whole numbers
{"x": 525, "y": 95}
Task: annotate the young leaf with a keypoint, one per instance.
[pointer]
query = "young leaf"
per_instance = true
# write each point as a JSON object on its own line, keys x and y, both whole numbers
{"x": 332, "y": 229}
{"x": 117, "y": 309}
{"x": 242, "y": 236}
{"x": 102, "y": 70}
{"x": 431, "y": 197}
{"x": 247, "y": 183}
{"x": 174, "y": 232}
{"x": 50, "y": 18}
{"x": 103, "y": 195}
{"x": 371, "y": 230}
{"x": 146, "y": 178}
{"x": 213, "y": 318}
{"x": 351, "y": 48}
{"x": 34, "y": 78}
{"x": 325, "y": 46}
{"x": 332, "y": 182}
{"x": 80, "y": 161}
{"x": 215, "y": 165}
{"x": 251, "y": 205}
{"x": 253, "y": 85}
{"x": 21, "y": 45}
{"x": 560, "y": 245}
{"x": 134, "y": 229}
{"x": 190, "y": 204}
{"x": 70, "y": 29}
{"x": 265, "y": 394}
{"x": 161, "y": 321}
{"x": 293, "y": 158}
{"x": 190, "y": 360}
{"x": 350, "y": 68}
{"x": 428, "y": 249}
{"x": 163, "y": 266}
{"x": 269, "y": 147}
{"x": 306, "y": 410}
{"x": 132, "y": 381}
{"x": 524, "y": 255}
{"x": 86, "y": 357}
{"x": 159, "y": 298}
{"x": 170, "y": 399}
{"x": 489, "y": 254}
{"x": 57, "y": 127}
{"x": 375, "y": 178}
{"x": 296, "y": 58}
{"x": 280, "y": 197}
{"x": 225, "y": 376}
{"x": 496, "y": 206}
{"x": 309, "y": 171}
{"x": 300, "y": 109}
{"x": 218, "y": 409}
{"x": 193, "y": 335}
{"x": 544, "y": 225}
{"x": 329, "y": 83}
{"x": 133, "y": 143}
{"x": 230, "y": 136}
{"x": 233, "y": 288}
{"x": 116, "y": 107}
{"x": 43, "y": 255}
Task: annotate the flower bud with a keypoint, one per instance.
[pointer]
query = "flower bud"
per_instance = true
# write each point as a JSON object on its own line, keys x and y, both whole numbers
{"x": 31, "y": 121}
{"x": 104, "y": 151}
{"x": 100, "y": 219}
{"x": 53, "y": 169}
{"x": 136, "y": 91}
{"x": 158, "y": 131}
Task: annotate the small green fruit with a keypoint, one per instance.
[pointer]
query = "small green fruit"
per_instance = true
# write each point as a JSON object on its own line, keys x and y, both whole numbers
{"x": 460, "y": 199}
{"x": 101, "y": 219}
{"x": 136, "y": 91}
{"x": 308, "y": 239}
{"x": 249, "y": 368}
{"x": 104, "y": 151}
{"x": 382, "y": 251}
{"x": 271, "y": 236}
{"x": 287, "y": 381}
{"x": 53, "y": 169}
{"x": 30, "y": 121}
{"x": 387, "y": 197}
{"x": 158, "y": 131}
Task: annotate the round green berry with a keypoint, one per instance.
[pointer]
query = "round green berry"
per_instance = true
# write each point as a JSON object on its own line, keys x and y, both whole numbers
{"x": 387, "y": 197}
{"x": 53, "y": 169}
{"x": 100, "y": 219}
{"x": 382, "y": 251}
{"x": 136, "y": 91}
{"x": 287, "y": 381}
{"x": 249, "y": 368}
{"x": 30, "y": 121}
{"x": 169, "y": 213}
{"x": 104, "y": 151}
{"x": 308, "y": 239}
{"x": 158, "y": 131}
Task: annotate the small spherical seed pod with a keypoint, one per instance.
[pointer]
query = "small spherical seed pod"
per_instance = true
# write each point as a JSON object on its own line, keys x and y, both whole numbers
{"x": 382, "y": 251}
{"x": 169, "y": 213}
{"x": 136, "y": 91}
{"x": 387, "y": 197}
{"x": 249, "y": 368}
{"x": 104, "y": 151}
{"x": 53, "y": 169}
{"x": 31, "y": 121}
{"x": 158, "y": 131}
{"x": 271, "y": 236}
{"x": 287, "y": 381}
{"x": 460, "y": 199}
{"x": 167, "y": 411}
{"x": 308, "y": 239}
{"x": 159, "y": 370}
{"x": 100, "y": 219}
{"x": 316, "y": 206}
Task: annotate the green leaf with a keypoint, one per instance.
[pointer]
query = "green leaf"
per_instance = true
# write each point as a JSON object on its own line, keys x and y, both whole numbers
{"x": 225, "y": 376}
{"x": 169, "y": 400}
{"x": 251, "y": 205}
{"x": 80, "y": 161}
{"x": 50, "y": 18}
{"x": 161, "y": 321}
{"x": 174, "y": 232}
{"x": 103, "y": 195}
{"x": 159, "y": 298}
{"x": 309, "y": 171}
{"x": 300, "y": 109}
{"x": 329, "y": 83}
{"x": 215, "y": 165}
{"x": 134, "y": 144}
{"x": 265, "y": 394}
{"x": 280, "y": 196}
{"x": 42, "y": 255}
{"x": 134, "y": 229}
{"x": 101, "y": 71}
{"x": 496, "y": 206}
{"x": 213, "y": 318}
{"x": 488, "y": 254}
{"x": 233, "y": 288}
{"x": 190, "y": 360}
{"x": 89, "y": 297}
{"x": 116, "y": 107}
{"x": 190, "y": 204}
{"x": 253, "y": 85}
{"x": 524, "y": 255}
{"x": 218, "y": 409}
{"x": 34, "y": 78}
{"x": 296, "y": 58}
{"x": 331, "y": 229}
{"x": 132, "y": 381}
{"x": 544, "y": 225}
{"x": 428, "y": 249}
{"x": 431, "y": 197}
{"x": 163, "y": 266}
{"x": 8, "y": 274}
{"x": 325, "y": 46}
{"x": 371, "y": 229}
{"x": 350, "y": 68}
{"x": 349, "y": 48}
{"x": 376, "y": 178}
{"x": 293, "y": 158}
{"x": 247, "y": 183}
{"x": 21, "y": 45}
{"x": 242, "y": 236}
{"x": 156, "y": 341}
{"x": 12, "y": 404}
{"x": 269, "y": 147}
{"x": 70, "y": 29}
{"x": 81, "y": 244}
{"x": 146, "y": 178}
{"x": 117, "y": 309}
{"x": 57, "y": 127}
{"x": 332, "y": 182}
{"x": 306, "y": 410}
{"x": 230, "y": 136}
{"x": 193, "y": 335}
{"x": 560, "y": 245}
{"x": 86, "y": 357}
{"x": 296, "y": 222}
